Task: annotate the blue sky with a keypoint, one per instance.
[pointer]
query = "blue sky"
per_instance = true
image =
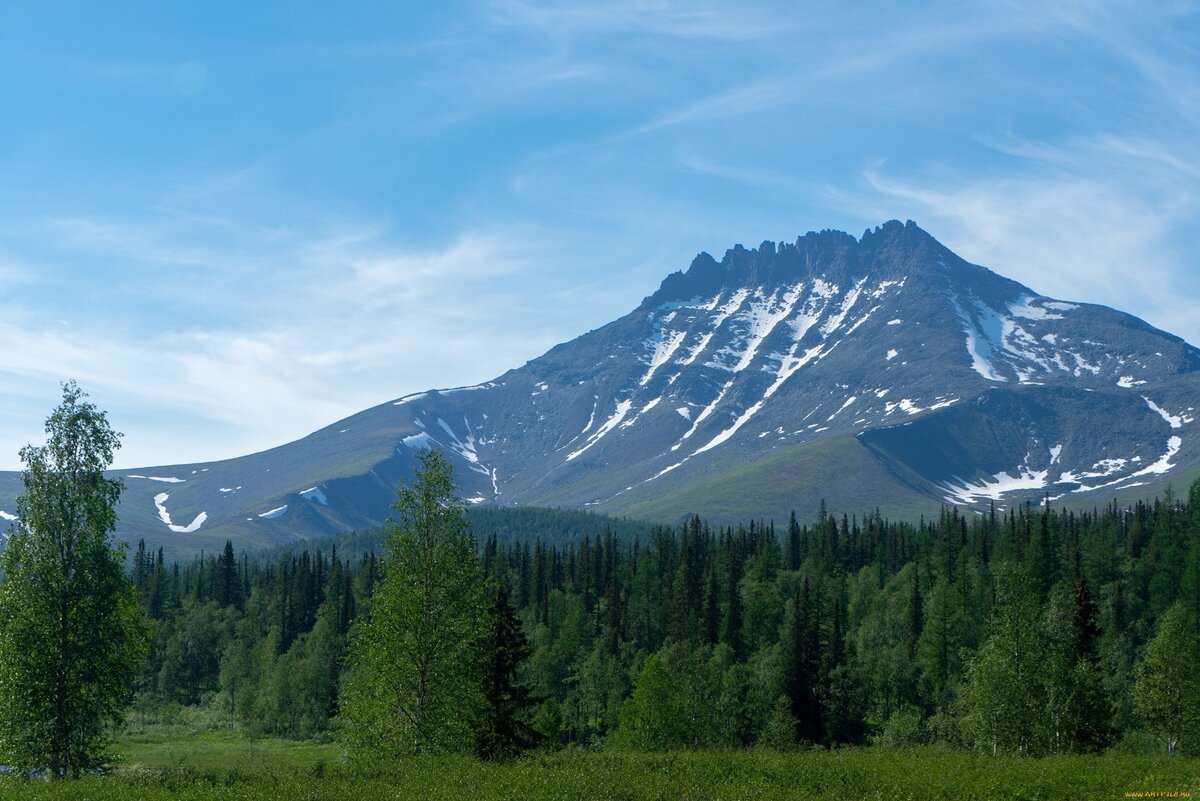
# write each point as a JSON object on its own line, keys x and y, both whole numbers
{"x": 234, "y": 223}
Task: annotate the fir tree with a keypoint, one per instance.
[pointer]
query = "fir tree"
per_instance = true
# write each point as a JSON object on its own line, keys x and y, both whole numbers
{"x": 229, "y": 585}
{"x": 503, "y": 730}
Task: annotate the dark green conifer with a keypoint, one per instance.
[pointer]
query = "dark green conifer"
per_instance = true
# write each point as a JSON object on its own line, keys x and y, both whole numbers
{"x": 503, "y": 730}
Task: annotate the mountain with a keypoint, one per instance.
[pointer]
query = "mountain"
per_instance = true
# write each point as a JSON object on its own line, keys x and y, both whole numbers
{"x": 882, "y": 372}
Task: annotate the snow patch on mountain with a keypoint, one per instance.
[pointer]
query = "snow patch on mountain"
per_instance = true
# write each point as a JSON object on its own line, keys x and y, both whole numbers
{"x": 419, "y": 441}
{"x": 642, "y": 411}
{"x": 904, "y": 405}
{"x": 411, "y": 398}
{"x": 471, "y": 388}
{"x": 612, "y": 422}
{"x": 792, "y": 361}
{"x": 314, "y": 494}
{"x": 765, "y": 318}
{"x": 160, "y": 501}
{"x": 1025, "y": 308}
{"x": 662, "y": 347}
{"x": 848, "y": 303}
{"x": 849, "y": 402}
{"x": 1101, "y": 469}
{"x": 1164, "y": 464}
{"x": 732, "y": 305}
{"x": 1004, "y": 337}
{"x": 704, "y": 414}
{"x": 275, "y": 513}
{"x": 967, "y": 493}
{"x": 786, "y": 370}
{"x": 759, "y": 319}
{"x": 465, "y": 446}
{"x": 1175, "y": 421}
{"x": 984, "y": 329}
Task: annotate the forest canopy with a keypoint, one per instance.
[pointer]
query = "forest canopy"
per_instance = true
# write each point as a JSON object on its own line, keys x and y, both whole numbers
{"x": 1033, "y": 630}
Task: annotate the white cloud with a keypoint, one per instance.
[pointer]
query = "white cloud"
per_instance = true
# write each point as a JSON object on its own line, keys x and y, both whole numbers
{"x": 1069, "y": 231}
{"x": 565, "y": 157}
{"x": 335, "y": 323}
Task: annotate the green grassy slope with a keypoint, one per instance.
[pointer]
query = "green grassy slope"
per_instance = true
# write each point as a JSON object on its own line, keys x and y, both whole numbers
{"x": 843, "y": 473}
{"x": 835, "y": 469}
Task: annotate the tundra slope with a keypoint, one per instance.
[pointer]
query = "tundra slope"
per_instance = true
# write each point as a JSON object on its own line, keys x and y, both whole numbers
{"x": 875, "y": 372}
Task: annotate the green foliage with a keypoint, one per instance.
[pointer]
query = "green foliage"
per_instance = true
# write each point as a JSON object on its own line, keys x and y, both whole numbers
{"x": 503, "y": 730}
{"x": 207, "y": 766}
{"x": 676, "y": 701}
{"x": 873, "y": 630}
{"x": 903, "y": 729}
{"x": 653, "y": 719}
{"x": 1167, "y": 690}
{"x": 70, "y": 635}
{"x": 562, "y": 528}
{"x": 412, "y": 686}
{"x": 780, "y": 732}
{"x": 1006, "y": 691}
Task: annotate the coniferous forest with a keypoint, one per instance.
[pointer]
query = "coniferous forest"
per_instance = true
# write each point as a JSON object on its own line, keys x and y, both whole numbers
{"x": 1031, "y": 631}
{"x": 958, "y": 644}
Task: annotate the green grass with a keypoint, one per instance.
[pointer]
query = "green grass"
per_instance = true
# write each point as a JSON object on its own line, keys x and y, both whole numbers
{"x": 164, "y": 749}
{"x": 223, "y": 765}
{"x": 836, "y": 469}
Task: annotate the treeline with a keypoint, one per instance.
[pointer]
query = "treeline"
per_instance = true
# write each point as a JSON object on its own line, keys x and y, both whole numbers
{"x": 511, "y": 524}
{"x": 1035, "y": 630}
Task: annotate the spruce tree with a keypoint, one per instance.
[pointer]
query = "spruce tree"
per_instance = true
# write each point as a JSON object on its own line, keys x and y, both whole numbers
{"x": 916, "y": 614}
{"x": 712, "y": 610}
{"x": 503, "y": 730}
{"x": 792, "y": 557}
{"x": 731, "y": 626}
{"x": 800, "y": 643}
{"x": 229, "y": 586}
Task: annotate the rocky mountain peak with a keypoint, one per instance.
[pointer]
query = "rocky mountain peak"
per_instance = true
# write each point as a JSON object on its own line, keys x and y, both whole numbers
{"x": 876, "y": 372}
{"x": 892, "y": 251}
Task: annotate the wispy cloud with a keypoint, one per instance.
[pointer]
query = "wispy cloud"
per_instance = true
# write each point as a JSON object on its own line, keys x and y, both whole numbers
{"x": 371, "y": 208}
{"x": 733, "y": 172}
{"x": 331, "y": 323}
{"x": 693, "y": 20}
{"x": 1077, "y": 234}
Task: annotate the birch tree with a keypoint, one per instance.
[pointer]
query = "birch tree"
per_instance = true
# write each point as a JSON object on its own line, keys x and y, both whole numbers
{"x": 412, "y": 685}
{"x": 1166, "y": 691}
{"x": 70, "y": 634}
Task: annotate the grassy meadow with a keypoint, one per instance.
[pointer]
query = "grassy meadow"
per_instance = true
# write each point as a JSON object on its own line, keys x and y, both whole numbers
{"x": 166, "y": 763}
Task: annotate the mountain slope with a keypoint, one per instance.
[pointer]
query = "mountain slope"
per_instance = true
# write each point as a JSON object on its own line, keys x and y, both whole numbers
{"x": 875, "y": 372}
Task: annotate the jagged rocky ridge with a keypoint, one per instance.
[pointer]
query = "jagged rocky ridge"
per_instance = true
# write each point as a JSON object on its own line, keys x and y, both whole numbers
{"x": 881, "y": 371}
